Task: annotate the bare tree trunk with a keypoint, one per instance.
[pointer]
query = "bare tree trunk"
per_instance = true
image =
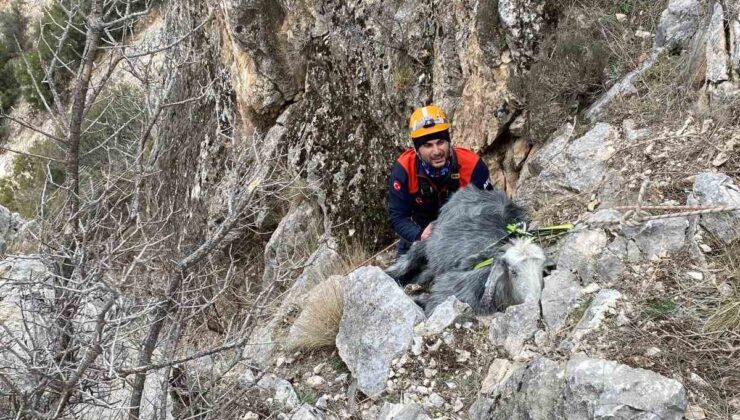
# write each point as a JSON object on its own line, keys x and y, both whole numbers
{"x": 94, "y": 27}
{"x": 65, "y": 300}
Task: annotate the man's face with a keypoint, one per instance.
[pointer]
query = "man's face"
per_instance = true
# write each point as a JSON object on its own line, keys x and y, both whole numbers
{"x": 435, "y": 152}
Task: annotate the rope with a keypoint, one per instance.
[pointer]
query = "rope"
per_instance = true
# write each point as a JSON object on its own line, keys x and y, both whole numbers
{"x": 638, "y": 214}
{"x": 631, "y": 218}
{"x": 374, "y": 256}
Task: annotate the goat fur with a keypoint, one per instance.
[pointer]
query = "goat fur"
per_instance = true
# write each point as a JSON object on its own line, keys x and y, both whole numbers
{"x": 468, "y": 224}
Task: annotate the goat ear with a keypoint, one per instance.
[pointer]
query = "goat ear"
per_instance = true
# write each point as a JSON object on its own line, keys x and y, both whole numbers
{"x": 498, "y": 273}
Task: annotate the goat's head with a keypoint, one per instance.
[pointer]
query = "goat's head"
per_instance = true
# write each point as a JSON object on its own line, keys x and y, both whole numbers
{"x": 517, "y": 275}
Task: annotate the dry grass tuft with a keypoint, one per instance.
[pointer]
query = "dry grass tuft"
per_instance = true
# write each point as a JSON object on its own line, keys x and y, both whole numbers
{"x": 726, "y": 319}
{"x": 318, "y": 324}
{"x": 354, "y": 254}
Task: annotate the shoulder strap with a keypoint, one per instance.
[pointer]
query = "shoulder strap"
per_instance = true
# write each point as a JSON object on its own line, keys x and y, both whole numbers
{"x": 453, "y": 180}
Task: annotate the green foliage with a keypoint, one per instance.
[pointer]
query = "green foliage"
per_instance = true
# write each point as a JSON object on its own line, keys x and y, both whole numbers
{"x": 660, "y": 308}
{"x": 403, "y": 78}
{"x": 307, "y": 397}
{"x": 111, "y": 128}
{"x": 31, "y": 72}
{"x": 109, "y": 136}
{"x": 28, "y": 175}
{"x": 9, "y": 88}
{"x": 12, "y": 28}
{"x": 12, "y": 34}
{"x": 338, "y": 364}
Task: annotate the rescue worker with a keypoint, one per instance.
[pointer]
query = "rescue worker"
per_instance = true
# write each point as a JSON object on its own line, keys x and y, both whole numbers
{"x": 423, "y": 177}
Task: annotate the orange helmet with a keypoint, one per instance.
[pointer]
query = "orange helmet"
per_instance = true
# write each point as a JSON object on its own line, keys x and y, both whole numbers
{"x": 427, "y": 120}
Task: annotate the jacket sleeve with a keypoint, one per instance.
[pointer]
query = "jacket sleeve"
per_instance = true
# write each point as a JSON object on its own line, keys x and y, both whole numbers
{"x": 480, "y": 176}
{"x": 400, "y": 204}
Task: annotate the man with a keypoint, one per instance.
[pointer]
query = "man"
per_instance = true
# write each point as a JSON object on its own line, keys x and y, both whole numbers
{"x": 423, "y": 177}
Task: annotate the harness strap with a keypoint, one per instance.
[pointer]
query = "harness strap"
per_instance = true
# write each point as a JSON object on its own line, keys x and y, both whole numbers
{"x": 484, "y": 263}
{"x": 520, "y": 229}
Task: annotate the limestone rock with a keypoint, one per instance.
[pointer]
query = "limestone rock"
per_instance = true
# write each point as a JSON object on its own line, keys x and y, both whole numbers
{"x": 409, "y": 411}
{"x": 522, "y": 20}
{"x": 582, "y": 388}
{"x": 580, "y": 252}
{"x": 10, "y": 225}
{"x": 282, "y": 390}
{"x": 567, "y": 167}
{"x": 26, "y": 305}
{"x": 318, "y": 266}
{"x": 678, "y": 23}
{"x": 559, "y": 298}
{"x": 623, "y": 87}
{"x": 541, "y": 389}
{"x": 498, "y": 373}
{"x": 735, "y": 36}
{"x": 716, "y": 50}
{"x": 443, "y": 316}
{"x": 604, "y": 301}
{"x": 659, "y": 237}
{"x": 718, "y": 189}
{"x": 605, "y": 389}
{"x": 290, "y": 238}
{"x": 377, "y": 325}
{"x": 613, "y": 261}
{"x": 515, "y": 326}
{"x": 306, "y": 412}
{"x": 632, "y": 133}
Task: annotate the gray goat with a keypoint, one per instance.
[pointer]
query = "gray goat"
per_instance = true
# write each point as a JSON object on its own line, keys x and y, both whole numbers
{"x": 472, "y": 228}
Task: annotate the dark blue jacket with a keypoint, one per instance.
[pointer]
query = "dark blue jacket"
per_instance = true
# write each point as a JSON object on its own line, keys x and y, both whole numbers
{"x": 410, "y": 205}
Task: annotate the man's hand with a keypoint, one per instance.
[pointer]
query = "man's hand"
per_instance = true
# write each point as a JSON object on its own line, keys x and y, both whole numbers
{"x": 427, "y": 232}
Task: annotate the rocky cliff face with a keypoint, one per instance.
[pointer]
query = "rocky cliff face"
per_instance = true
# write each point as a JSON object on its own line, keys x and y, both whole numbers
{"x": 328, "y": 85}
{"x": 310, "y": 97}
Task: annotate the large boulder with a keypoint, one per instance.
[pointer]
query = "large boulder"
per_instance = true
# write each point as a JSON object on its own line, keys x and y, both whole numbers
{"x": 598, "y": 388}
{"x": 582, "y": 388}
{"x": 718, "y": 59}
{"x": 604, "y": 302}
{"x": 289, "y": 242}
{"x": 659, "y": 237}
{"x": 678, "y": 23}
{"x": 564, "y": 166}
{"x": 377, "y": 325}
{"x": 580, "y": 251}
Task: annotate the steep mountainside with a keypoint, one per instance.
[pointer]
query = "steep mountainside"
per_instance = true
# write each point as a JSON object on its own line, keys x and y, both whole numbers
{"x": 209, "y": 247}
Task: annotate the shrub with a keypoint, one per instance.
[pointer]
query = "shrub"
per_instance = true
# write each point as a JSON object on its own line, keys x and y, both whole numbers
{"x": 110, "y": 132}
{"x": 569, "y": 75}
{"x": 13, "y": 27}
{"x": 586, "y": 52}
{"x": 12, "y": 34}
{"x": 111, "y": 128}
{"x": 22, "y": 189}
